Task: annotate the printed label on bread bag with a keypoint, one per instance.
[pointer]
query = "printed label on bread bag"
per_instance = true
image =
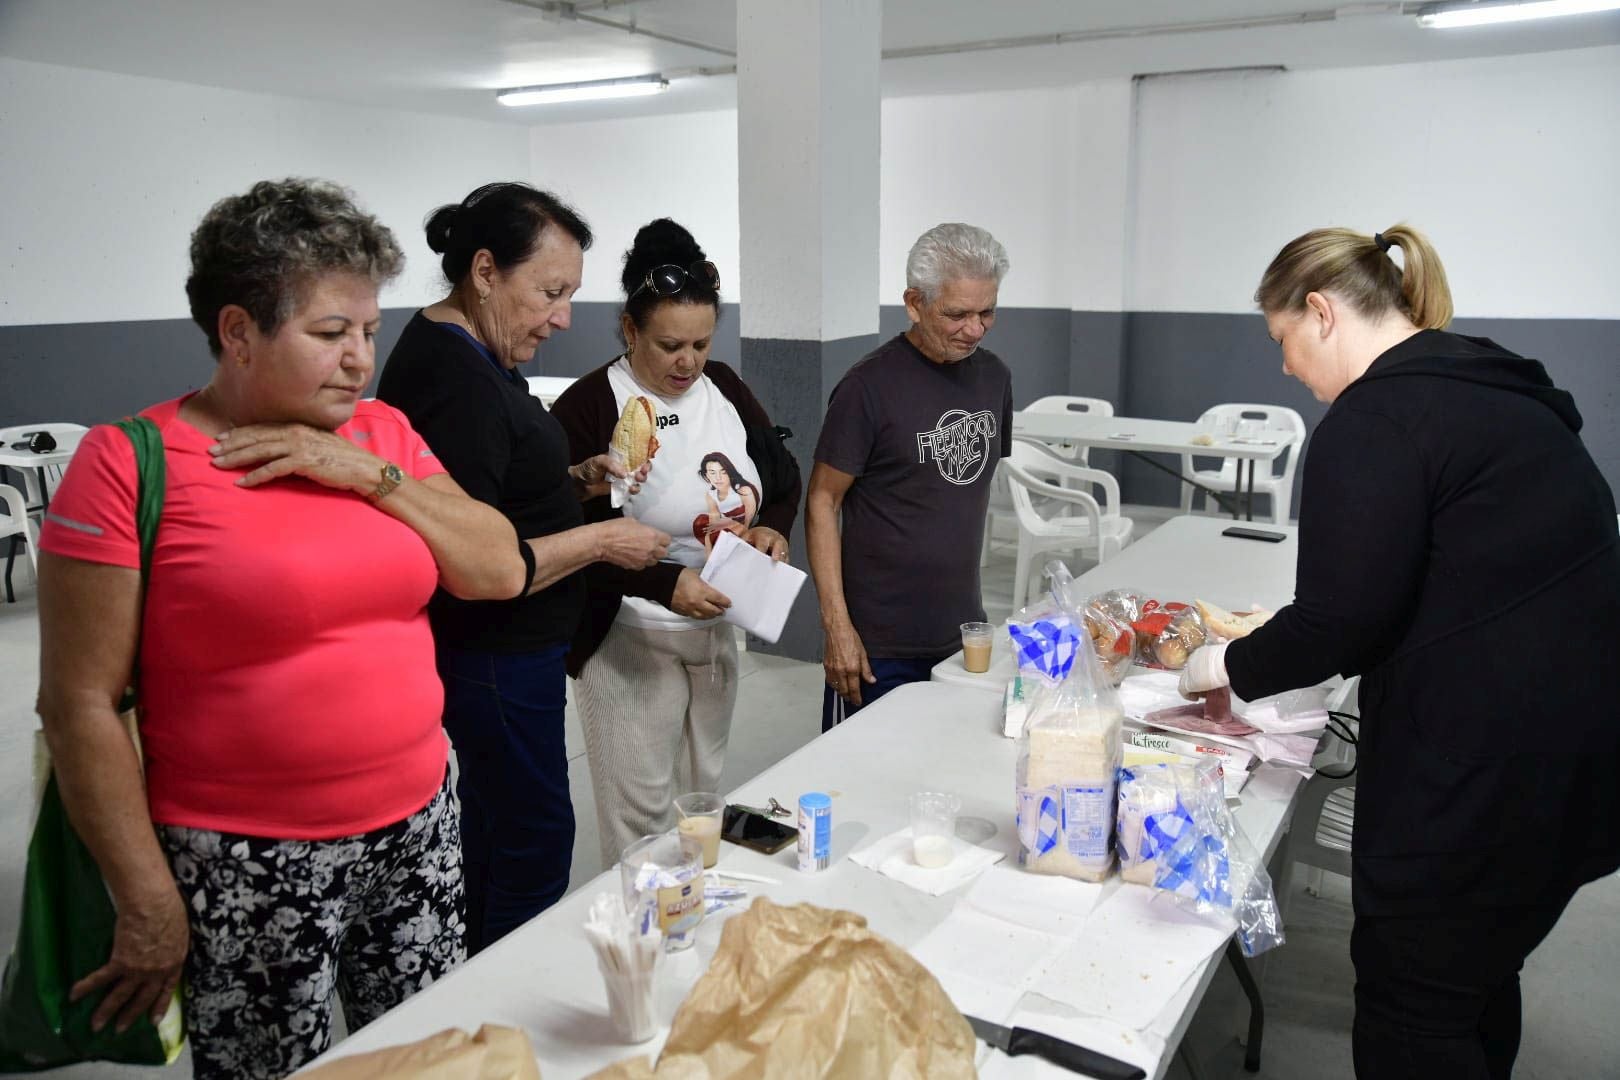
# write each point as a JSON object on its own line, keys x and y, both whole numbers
{"x": 1085, "y": 821}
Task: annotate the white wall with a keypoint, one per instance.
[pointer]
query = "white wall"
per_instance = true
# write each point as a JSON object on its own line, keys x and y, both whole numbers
{"x": 105, "y": 176}
{"x": 1510, "y": 164}
{"x": 622, "y": 174}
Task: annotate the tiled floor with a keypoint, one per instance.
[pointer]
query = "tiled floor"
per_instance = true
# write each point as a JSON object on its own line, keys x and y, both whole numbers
{"x": 1571, "y": 992}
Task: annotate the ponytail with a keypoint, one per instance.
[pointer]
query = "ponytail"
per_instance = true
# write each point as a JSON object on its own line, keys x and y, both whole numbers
{"x": 1359, "y": 269}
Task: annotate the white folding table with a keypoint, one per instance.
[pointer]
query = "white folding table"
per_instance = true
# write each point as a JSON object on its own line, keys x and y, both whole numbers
{"x": 543, "y": 978}
{"x": 1141, "y": 437}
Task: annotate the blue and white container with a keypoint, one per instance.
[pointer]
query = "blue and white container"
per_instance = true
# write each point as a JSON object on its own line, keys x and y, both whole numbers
{"x": 815, "y": 831}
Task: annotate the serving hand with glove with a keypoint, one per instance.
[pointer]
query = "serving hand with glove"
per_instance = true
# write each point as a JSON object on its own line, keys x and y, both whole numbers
{"x": 1205, "y": 671}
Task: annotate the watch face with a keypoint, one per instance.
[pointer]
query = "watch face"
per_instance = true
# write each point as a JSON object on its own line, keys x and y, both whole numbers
{"x": 393, "y": 473}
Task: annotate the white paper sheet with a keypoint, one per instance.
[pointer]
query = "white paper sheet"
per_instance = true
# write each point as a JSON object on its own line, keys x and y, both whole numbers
{"x": 984, "y": 963}
{"x": 1133, "y": 956}
{"x": 760, "y": 588}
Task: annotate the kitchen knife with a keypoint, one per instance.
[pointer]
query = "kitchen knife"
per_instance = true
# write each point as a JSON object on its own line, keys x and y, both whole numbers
{"x": 1015, "y": 1041}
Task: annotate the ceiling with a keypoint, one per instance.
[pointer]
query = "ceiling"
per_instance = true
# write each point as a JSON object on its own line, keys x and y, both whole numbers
{"x": 448, "y": 56}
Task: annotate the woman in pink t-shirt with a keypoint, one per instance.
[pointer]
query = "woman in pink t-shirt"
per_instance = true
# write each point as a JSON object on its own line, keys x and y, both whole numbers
{"x": 294, "y": 835}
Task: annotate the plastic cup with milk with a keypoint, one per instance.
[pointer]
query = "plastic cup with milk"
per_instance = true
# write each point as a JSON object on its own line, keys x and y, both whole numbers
{"x": 933, "y": 828}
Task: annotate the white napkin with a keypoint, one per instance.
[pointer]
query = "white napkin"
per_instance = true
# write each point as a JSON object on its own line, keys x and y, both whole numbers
{"x": 891, "y": 857}
{"x": 1043, "y": 902}
{"x": 760, "y": 588}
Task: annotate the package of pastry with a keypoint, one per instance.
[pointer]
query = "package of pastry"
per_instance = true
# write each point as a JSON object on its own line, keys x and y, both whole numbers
{"x": 1166, "y": 634}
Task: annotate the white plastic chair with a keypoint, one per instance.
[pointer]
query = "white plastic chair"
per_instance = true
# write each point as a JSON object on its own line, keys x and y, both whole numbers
{"x": 1066, "y": 403}
{"x": 1001, "y": 509}
{"x": 1080, "y": 522}
{"x": 1276, "y": 420}
{"x": 14, "y": 523}
{"x": 52, "y": 474}
{"x": 1326, "y": 816}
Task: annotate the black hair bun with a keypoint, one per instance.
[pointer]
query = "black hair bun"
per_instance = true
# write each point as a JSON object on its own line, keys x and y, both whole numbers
{"x": 658, "y": 243}
{"x": 438, "y": 227}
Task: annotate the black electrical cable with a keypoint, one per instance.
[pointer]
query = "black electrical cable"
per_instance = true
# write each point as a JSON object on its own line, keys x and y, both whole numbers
{"x": 1339, "y": 724}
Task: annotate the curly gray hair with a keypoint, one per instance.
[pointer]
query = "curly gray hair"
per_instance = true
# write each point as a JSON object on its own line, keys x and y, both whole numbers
{"x": 951, "y": 251}
{"x": 263, "y": 250}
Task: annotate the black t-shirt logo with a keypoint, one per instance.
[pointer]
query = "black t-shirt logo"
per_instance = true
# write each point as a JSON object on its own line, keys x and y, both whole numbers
{"x": 959, "y": 443}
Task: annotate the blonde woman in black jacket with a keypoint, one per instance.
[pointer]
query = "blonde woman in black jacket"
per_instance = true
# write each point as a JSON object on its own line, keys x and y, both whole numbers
{"x": 1453, "y": 528}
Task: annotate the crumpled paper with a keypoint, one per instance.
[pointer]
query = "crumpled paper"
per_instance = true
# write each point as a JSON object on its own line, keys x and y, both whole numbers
{"x": 795, "y": 993}
{"x": 495, "y": 1053}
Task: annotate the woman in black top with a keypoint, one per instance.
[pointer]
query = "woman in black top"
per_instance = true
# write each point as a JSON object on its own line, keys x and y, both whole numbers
{"x": 514, "y": 256}
{"x": 1455, "y": 537}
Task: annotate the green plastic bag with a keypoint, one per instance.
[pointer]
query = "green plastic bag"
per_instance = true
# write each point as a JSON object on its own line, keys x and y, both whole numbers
{"x": 67, "y": 914}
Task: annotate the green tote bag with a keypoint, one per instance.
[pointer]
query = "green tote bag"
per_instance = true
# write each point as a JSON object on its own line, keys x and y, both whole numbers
{"x": 67, "y": 914}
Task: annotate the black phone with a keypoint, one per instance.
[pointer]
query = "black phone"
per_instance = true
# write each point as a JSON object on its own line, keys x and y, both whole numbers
{"x": 750, "y": 830}
{"x": 1255, "y": 534}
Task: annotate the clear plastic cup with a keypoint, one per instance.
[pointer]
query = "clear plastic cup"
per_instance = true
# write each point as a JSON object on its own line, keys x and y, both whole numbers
{"x": 977, "y": 638}
{"x": 933, "y": 828}
{"x": 662, "y": 880}
{"x": 700, "y": 817}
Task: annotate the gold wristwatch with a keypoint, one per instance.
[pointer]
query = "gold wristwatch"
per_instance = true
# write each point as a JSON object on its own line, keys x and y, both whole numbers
{"x": 392, "y": 477}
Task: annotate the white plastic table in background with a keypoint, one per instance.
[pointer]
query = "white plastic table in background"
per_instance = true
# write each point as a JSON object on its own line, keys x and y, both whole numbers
{"x": 543, "y": 977}
{"x": 34, "y": 466}
{"x": 1184, "y": 559}
{"x": 548, "y": 388}
{"x": 1138, "y": 436}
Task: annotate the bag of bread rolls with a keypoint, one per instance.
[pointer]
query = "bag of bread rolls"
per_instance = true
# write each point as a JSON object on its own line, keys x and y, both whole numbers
{"x": 1069, "y": 751}
{"x": 1166, "y": 634}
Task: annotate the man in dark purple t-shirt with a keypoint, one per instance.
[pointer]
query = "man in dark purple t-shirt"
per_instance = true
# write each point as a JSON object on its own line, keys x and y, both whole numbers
{"x": 906, "y": 457}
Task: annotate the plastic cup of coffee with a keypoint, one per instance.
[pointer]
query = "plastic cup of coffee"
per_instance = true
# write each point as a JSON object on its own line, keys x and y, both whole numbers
{"x": 700, "y": 817}
{"x": 662, "y": 880}
{"x": 976, "y": 639}
{"x": 933, "y": 828}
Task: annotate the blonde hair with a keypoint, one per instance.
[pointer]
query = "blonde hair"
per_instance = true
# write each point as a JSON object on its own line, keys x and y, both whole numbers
{"x": 1359, "y": 269}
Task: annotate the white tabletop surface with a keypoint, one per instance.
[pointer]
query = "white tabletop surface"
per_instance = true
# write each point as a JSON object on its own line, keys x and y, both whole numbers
{"x": 543, "y": 977}
{"x": 1152, "y": 436}
{"x": 1184, "y": 559}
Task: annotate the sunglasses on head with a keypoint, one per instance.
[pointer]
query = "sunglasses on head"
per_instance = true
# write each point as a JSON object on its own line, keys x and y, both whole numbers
{"x": 40, "y": 442}
{"x": 669, "y": 279}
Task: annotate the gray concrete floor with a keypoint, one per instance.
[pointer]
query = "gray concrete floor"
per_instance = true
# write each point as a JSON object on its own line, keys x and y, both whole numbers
{"x": 1571, "y": 989}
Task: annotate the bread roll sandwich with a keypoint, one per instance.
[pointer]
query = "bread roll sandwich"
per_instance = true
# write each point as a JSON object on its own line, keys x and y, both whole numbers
{"x": 633, "y": 435}
{"x": 1226, "y": 626}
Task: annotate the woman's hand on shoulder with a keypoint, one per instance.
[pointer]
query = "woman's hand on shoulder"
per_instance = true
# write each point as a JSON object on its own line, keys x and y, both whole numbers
{"x": 272, "y": 451}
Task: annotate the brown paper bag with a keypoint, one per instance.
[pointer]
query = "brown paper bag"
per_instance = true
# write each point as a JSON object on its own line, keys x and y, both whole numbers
{"x": 495, "y": 1053}
{"x": 802, "y": 992}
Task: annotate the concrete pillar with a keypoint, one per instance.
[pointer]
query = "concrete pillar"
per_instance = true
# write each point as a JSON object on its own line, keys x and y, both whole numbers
{"x": 807, "y": 163}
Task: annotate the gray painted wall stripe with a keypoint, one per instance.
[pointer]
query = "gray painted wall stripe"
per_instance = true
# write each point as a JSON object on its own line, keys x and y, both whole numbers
{"x": 1160, "y": 364}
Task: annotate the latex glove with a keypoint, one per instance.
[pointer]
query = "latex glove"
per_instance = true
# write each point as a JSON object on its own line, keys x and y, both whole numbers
{"x": 1205, "y": 671}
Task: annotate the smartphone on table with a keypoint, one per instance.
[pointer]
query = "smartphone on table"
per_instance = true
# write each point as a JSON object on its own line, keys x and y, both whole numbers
{"x": 756, "y": 831}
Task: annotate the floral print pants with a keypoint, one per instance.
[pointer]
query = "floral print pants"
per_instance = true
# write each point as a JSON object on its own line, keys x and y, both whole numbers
{"x": 280, "y": 927}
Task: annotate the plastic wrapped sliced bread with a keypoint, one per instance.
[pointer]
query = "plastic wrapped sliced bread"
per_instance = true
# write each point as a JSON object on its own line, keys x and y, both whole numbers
{"x": 1069, "y": 752}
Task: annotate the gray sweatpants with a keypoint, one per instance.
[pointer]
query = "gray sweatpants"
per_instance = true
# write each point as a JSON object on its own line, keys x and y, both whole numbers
{"x": 656, "y": 708}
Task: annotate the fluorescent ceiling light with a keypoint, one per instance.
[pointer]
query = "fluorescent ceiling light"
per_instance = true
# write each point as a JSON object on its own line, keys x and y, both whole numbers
{"x": 638, "y": 86}
{"x": 1452, "y": 16}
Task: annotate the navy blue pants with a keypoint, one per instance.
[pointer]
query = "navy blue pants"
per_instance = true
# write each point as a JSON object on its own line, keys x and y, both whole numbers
{"x": 504, "y": 715}
{"x": 889, "y": 673}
